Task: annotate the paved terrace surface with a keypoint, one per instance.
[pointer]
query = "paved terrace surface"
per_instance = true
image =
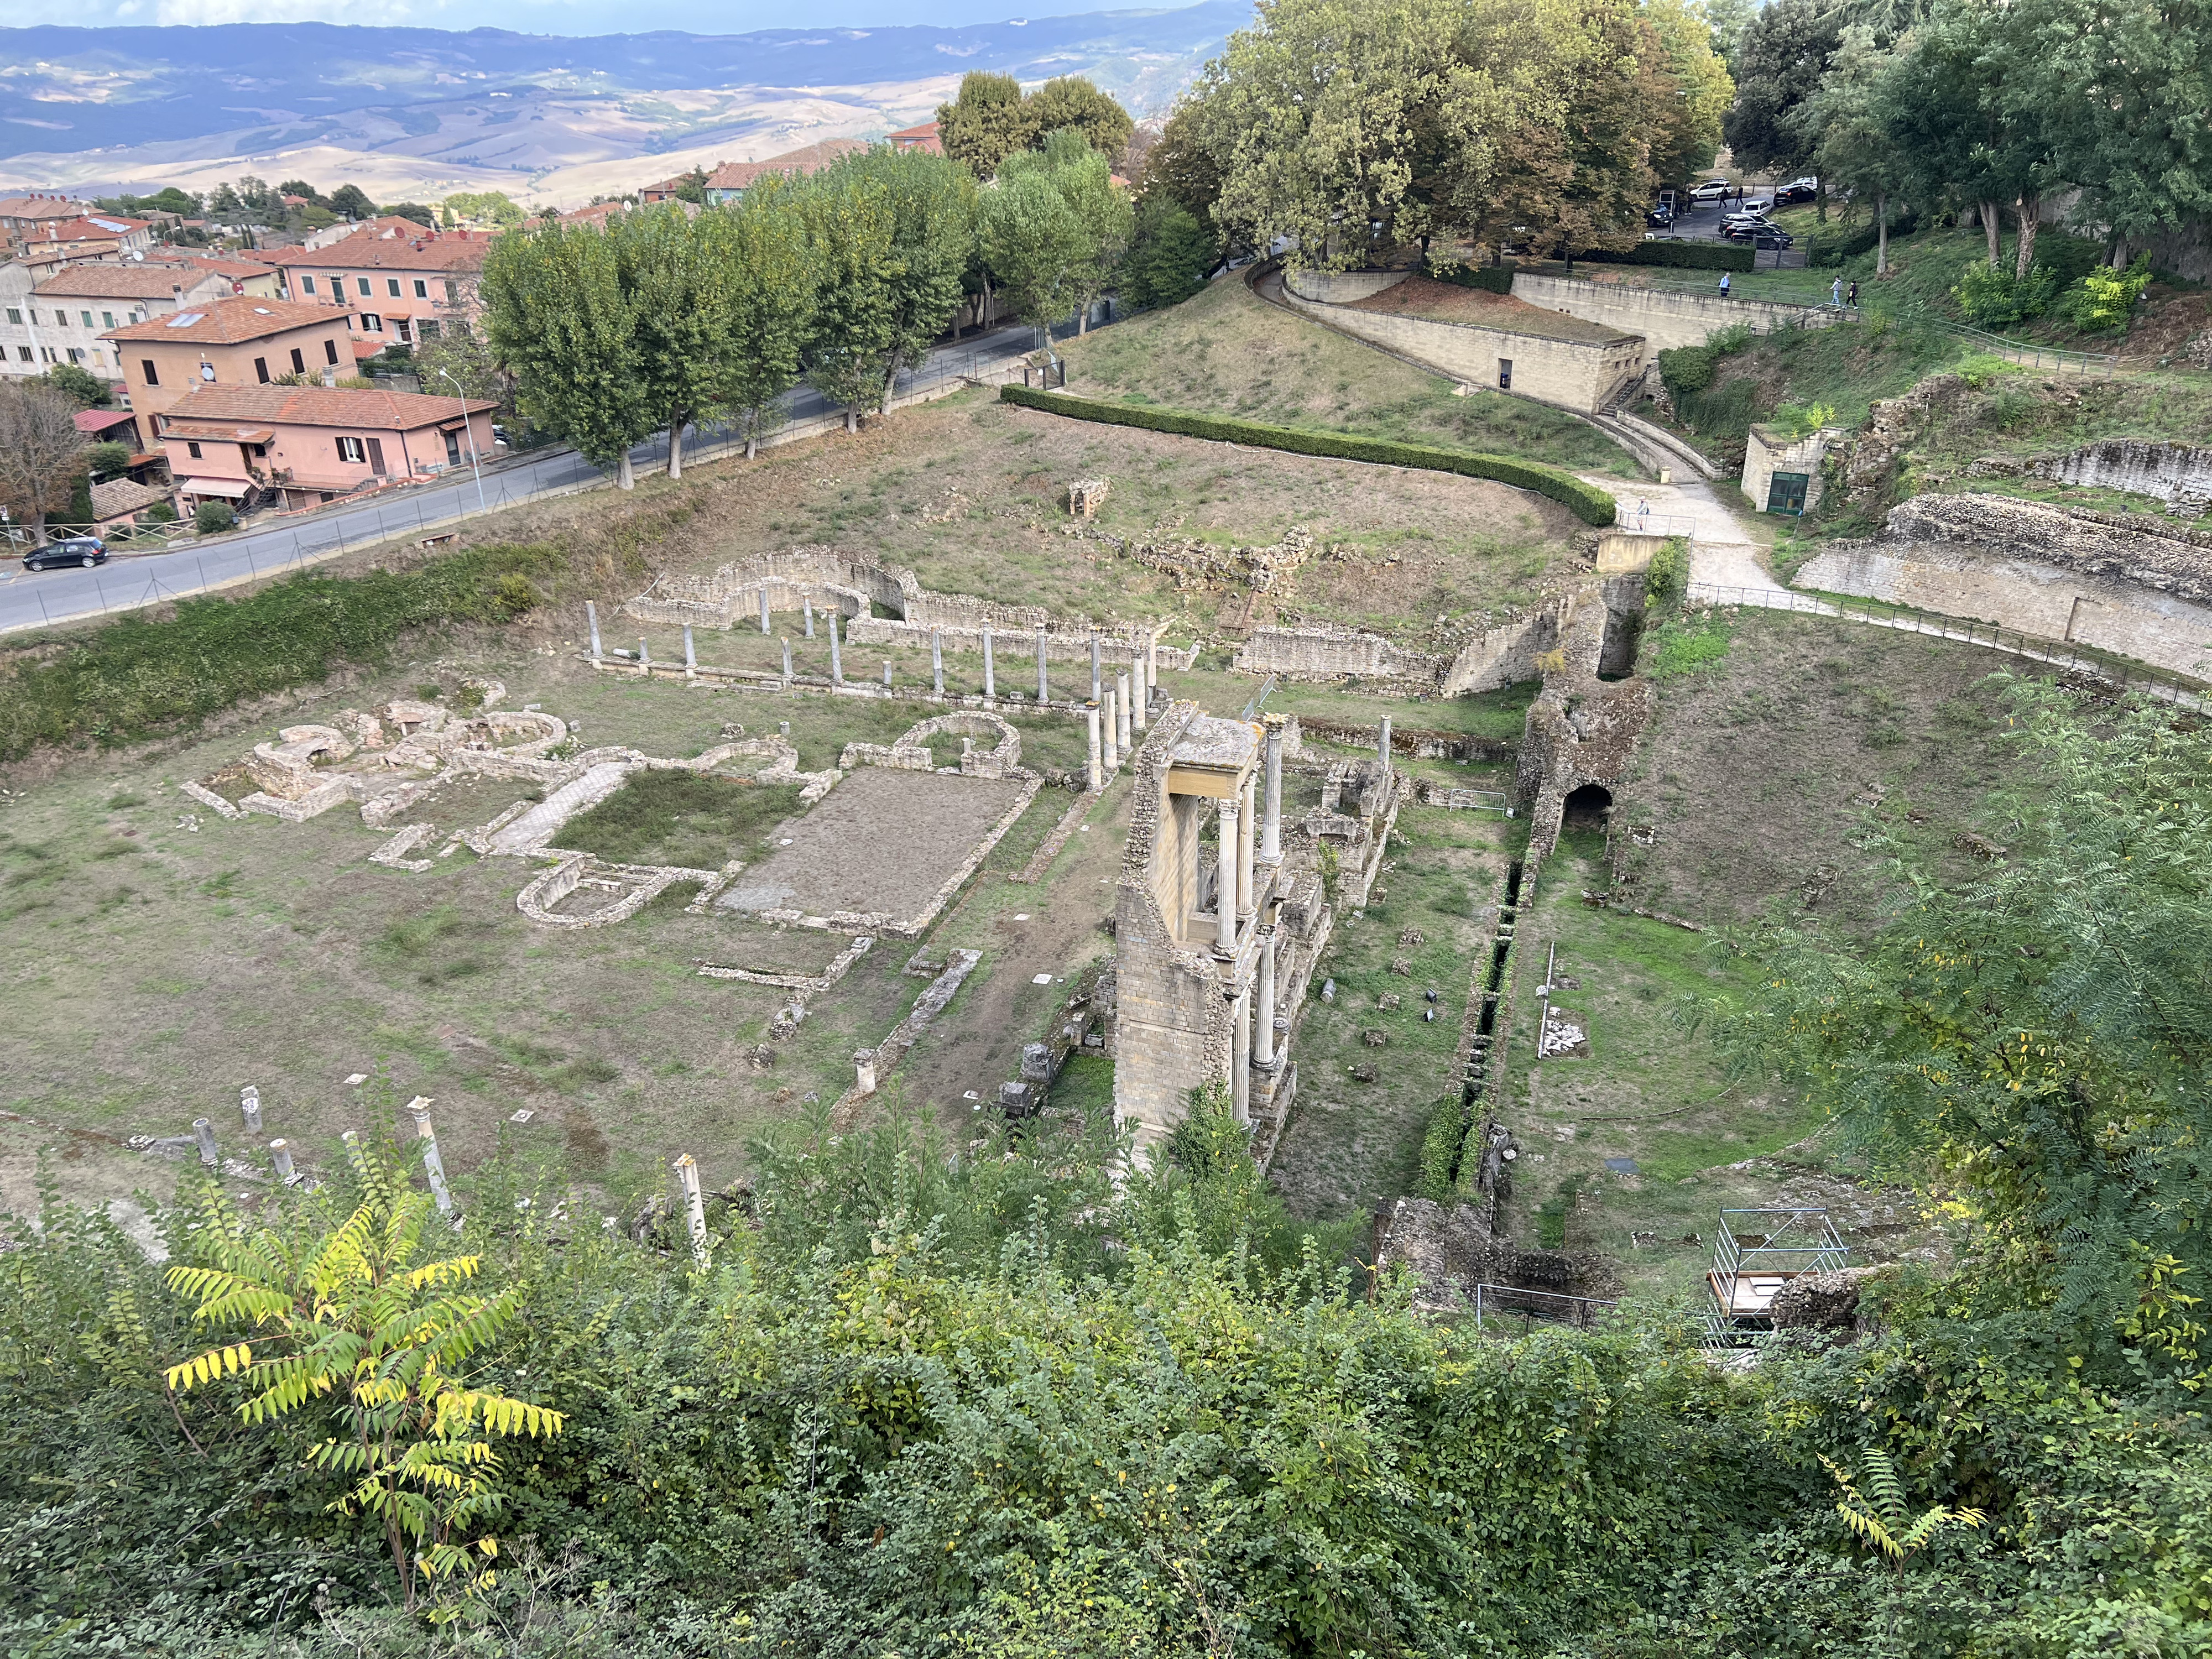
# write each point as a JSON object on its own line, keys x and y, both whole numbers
{"x": 1448, "y": 302}
{"x": 36, "y": 599}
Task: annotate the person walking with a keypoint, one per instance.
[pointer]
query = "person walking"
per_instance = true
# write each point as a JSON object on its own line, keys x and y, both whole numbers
{"x": 1643, "y": 513}
{"x": 1851, "y": 299}
{"x": 1836, "y": 293}
{"x": 1724, "y": 285}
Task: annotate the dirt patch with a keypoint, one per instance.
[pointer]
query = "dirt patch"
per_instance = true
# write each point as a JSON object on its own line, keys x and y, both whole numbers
{"x": 882, "y": 841}
{"x": 1448, "y": 302}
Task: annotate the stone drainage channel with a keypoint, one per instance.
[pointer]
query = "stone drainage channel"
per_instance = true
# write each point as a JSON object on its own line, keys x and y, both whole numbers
{"x": 1488, "y": 995}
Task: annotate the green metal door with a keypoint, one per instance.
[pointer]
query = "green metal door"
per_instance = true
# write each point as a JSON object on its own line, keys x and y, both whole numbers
{"x": 1786, "y": 493}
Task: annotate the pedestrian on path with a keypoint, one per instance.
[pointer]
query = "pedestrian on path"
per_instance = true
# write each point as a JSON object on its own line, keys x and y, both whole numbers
{"x": 1643, "y": 514}
{"x": 1851, "y": 299}
{"x": 1724, "y": 285}
{"x": 1836, "y": 293}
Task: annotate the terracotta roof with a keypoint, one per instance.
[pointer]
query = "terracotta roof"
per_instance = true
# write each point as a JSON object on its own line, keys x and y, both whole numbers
{"x": 120, "y": 495}
{"x": 99, "y": 419}
{"x": 450, "y": 251}
{"x": 385, "y": 226}
{"x": 95, "y": 227}
{"x": 121, "y": 281}
{"x": 37, "y": 206}
{"x": 227, "y": 322}
{"x": 315, "y": 406}
{"x": 236, "y": 268}
{"x": 597, "y": 214}
{"x": 740, "y": 175}
{"x": 174, "y": 427}
{"x": 921, "y": 137}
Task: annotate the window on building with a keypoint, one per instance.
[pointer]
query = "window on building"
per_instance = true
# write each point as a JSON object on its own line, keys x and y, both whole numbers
{"x": 146, "y": 372}
{"x": 138, "y": 316}
{"x": 299, "y": 362}
{"x": 99, "y": 360}
{"x": 392, "y": 286}
{"x": 363, "y": 281}
{"x": 350, "y": 449}
{"x": 61, "y": 320}
{"x": 75, "y": 355}
{"x": 452, "y": 292}
{"x": 16, "y": 314}
{"x": 371, "y": 323}
{"x": 46, "y": 354}
{"x": 193, "y": 450}
{"x": 24, "y": 352}
{"x": 422, "y": 288}
{"x": 1505, "y": 375}
{"x": 107, "y": 320}
{"x": 306, "y": 285}
{"x": 331, "y": 352}
{"x": 428, "y": 328}
{"x": 88, "y": 318}
{"x": 261, "y": 370}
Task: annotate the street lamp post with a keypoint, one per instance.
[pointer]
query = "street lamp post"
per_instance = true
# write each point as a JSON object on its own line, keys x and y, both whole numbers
{"x": 468, "y": 427}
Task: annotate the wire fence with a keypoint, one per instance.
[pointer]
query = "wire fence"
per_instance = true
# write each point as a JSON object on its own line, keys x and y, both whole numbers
{"x": 1493, "y": 1301}
{"x": 2164, "y": 685}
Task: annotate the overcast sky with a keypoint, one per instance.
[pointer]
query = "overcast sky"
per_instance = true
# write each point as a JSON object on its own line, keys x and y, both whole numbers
{"x": 559, "y": 16}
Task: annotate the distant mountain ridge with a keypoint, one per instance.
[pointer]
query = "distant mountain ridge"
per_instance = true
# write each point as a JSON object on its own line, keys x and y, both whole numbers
{"x": 273, "y": 85}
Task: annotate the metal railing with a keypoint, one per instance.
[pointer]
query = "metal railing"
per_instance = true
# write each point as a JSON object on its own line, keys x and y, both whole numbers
{"x": 2028, "y": 354}
{"x": 2165, "y": 684}
{"x": 1788, "y": 1243}
{"x": 1625, "y": 517}
{"x": 1492, "y": 1300}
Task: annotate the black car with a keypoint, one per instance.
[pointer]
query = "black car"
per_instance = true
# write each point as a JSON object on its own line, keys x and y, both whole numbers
{"x": 85, "y": 550}
{"x": 1660, "y": 219}
{"x": 1798, "y": 190}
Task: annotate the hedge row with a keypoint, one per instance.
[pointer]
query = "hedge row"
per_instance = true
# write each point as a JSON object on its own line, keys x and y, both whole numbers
{"x": 1492, "y": 279}
{"x": 1586, "y": 501}
{"x": 1686, "y": 256}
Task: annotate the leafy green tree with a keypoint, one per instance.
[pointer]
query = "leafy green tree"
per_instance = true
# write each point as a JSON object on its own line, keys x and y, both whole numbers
{"x": 305, "y": 190}
{"x": 214, "y": 518}
{"x": 2034, "y": 1045}
{"x": 851, "y": 224}
{"x": 561, "y": 320}
{"x": 424, "y": 216}
{"x": 1071, "y": 102}
{"x": 1035, "y": 244}
{"x": 351, "y": 201}
{"x": 83, "y": 388}
{"x": 361, "y": 1315}
{"x": 1687, "y": 86}
{"x": 678, "y": 291}
{"x": 984, "y": 122}
{"x": 769, "y": 315}
{"x": 1882, "y": 1518}
{"x": 1169, "y": 253}
{"x": 107, "y": 460}
{"x": 1179, "y": 166}
{"x": 490, "y": 206}
{"x": 1778, "y": 67}
{"x": 933, "y": 203}
{"x": 1080, "y": 175}
{"x": 1847, "y": 121}
{"x": 1725, "y": 22}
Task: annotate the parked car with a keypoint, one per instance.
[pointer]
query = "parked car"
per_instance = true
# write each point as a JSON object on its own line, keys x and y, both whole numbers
{"x": 1748, "y": 230}
{"x": 1798, "y": 190}
{"x": 1660, "y": 218}
{"x": 85, "y": 550}
{"x": 1712, "y": 190}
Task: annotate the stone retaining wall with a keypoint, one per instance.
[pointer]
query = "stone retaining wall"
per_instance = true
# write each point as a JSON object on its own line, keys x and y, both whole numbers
{"x": 1664, "y": 318}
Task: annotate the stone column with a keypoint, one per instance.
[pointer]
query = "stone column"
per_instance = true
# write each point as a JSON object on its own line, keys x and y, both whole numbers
{"x": 694, "y": 1206}
{"x": 1248, "y": 891}
{"x": 591, "y": 617}
{"x": 203, "y": 1132}
{"x": 1094, "y": 665}
{"x": 1044, "y": 686}
{"x": 1383, "y": 750}
{"x": 787, "y": 663}
{"x": 1097, "y": 773}
{"x": 690, "y": 655}
{"x": 1263, "y": 1031}
{"x": 887, "y": 675}
{"x": 990, "y": 674}
{"x": 1152, "y": 665}
{"x": 1112, "y": 748}
{"x": 1144, "y": 691}
{"x": 836, "y": 659}
{"x": 433, "y": 1165}
{"x": 1240, "y": 1061}
{"x": 1121, "y": 707}
{"x": 1224, "y": 881}
{"x": 807, "y": 599}
{"x": 644, "y": 658}
{"x": 280, "y": 1155}
{"x": 1270, "y": 828}
{"x": 763, "y": 607}
{"x": 864, "y": 1070}
{"x": 937, "y": 660}
{"x": 249, "y": 1108}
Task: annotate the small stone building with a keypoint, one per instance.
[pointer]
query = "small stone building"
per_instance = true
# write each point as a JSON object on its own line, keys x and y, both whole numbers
{"x": 1782, "y": 474}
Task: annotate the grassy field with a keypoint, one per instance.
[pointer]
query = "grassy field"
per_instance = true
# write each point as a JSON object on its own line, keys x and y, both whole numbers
{"x": 1226, "y": 352}
{"x": 1773, "y": 757}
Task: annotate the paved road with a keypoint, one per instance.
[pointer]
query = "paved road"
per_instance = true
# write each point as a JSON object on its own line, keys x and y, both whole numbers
{"x": 35, "y": 598}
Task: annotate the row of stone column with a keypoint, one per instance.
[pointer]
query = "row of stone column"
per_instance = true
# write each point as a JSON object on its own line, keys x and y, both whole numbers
{"x": 1117, "y": 712}
{"x": 1237, "y": 896}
